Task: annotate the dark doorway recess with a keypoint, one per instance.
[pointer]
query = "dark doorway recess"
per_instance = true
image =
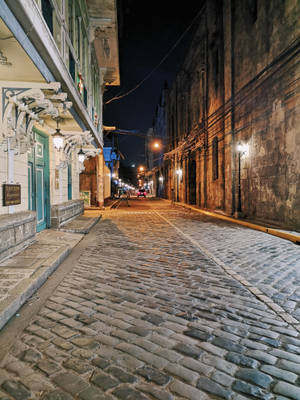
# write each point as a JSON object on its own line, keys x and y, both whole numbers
{"x": 192, "y": 181}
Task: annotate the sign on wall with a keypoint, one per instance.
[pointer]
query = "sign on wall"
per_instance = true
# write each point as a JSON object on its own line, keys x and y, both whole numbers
{"x": 11, "y": 194}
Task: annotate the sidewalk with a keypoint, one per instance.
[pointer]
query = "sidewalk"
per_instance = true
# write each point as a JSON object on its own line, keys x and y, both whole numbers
{"x": 284, "y": 234}
{"x": 23, "y": 274}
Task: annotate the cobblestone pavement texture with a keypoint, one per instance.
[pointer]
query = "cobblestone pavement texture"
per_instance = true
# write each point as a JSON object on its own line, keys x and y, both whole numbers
{"x": 152, "y": 310}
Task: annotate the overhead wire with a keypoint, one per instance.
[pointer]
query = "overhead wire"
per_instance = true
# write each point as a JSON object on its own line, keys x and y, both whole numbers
{"x": 159, "y": 64}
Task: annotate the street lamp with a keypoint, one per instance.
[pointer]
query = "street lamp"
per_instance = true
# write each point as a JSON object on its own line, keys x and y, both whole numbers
{"x": 156, "y": 145}
{"x": 81, "y": 156}
{"x": 58, "y": 137}
{"x": 243, "y": 151}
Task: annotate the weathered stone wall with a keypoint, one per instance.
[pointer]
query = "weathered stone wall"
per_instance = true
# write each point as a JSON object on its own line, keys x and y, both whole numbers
{"x": 266, "y": 65}
{"x": 16, "y": 232}
{"x": 239, "y": 84}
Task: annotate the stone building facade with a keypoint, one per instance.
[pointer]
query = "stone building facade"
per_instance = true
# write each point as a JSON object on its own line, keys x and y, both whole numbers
{"x": 56, "y": 56}
{"x": 154, "y": 156}
{"x": 233, "y": 113}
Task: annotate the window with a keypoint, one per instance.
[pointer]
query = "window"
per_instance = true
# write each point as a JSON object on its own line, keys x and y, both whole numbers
{"x": 216, "y": 67}
{"x": 215, "y": 158}
{"x": 70, "y": 15}
{"x": 85, "y": 96}
{"x": 47, "y": 12}
{"x": 71, "y": 65}
{"x": 250, "y": 12}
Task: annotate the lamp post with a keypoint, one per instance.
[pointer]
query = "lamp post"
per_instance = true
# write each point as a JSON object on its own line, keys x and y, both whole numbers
{"x": 243, "y": 150}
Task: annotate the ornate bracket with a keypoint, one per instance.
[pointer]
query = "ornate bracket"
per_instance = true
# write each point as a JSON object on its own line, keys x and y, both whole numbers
{"x": 22, "y": 107}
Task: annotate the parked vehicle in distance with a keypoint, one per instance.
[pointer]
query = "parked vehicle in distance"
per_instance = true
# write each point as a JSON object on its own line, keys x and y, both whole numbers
{"x": 141, "y": 193}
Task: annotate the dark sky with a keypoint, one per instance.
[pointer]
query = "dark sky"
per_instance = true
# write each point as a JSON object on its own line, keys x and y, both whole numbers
{"x": 147, "y": 31}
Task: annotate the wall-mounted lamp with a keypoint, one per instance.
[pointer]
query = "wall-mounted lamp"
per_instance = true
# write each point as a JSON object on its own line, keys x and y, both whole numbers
{"x": 243, "y": 149}
{"x": 58, "y": 137}
{"x": 179, "y": 172}
{"x": 161, "y": 179}
{"x": 81, "y": 156}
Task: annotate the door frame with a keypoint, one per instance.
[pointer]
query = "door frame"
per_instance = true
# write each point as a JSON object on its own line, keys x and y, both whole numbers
{"x": 34, "y": 164}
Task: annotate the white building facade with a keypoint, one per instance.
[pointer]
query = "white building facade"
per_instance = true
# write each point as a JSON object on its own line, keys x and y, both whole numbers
{"x": 56, "y": 56}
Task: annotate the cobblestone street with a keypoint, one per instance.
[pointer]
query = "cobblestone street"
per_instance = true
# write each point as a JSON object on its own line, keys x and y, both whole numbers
{"x": 165, "y": 304}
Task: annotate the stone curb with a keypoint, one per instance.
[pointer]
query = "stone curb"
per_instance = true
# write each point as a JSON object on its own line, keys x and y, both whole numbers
{"x": 24, "y": 290}
{"x": 275, "y": 232}
{"x": 84, "y": 230}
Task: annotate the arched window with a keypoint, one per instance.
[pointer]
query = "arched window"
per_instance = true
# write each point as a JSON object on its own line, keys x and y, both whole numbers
{"x": 215, "y": 158}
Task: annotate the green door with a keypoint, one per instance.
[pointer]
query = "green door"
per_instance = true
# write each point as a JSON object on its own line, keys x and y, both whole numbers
{"x": 38, "y": 181}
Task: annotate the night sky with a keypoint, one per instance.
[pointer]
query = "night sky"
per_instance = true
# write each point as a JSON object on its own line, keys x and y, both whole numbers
{"x": 147, "y": 31}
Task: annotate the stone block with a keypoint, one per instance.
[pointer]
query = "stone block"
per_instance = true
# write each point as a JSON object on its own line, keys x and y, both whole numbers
{"x": 16, "y": 232}
{"x": 65, "y": 212}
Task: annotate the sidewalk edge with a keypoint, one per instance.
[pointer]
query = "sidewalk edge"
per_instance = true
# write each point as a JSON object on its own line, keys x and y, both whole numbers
{"x": 26, "y": 288}
{"x": 275, "y": 232}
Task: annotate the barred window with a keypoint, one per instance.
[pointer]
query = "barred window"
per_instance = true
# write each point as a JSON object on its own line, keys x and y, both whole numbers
{"x": 215, "y": 158}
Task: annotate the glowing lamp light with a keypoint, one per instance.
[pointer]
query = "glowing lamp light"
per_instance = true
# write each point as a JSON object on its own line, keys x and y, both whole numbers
{"x": 243, "y": 149}
{"x": 58, "y": 137}
{"x": 179, "y": 172}
{"x": 81, "y": 156}
{"x": 141, "y": 168}
{"x": 58, "y": 140}
{"x": 161, "y": 179}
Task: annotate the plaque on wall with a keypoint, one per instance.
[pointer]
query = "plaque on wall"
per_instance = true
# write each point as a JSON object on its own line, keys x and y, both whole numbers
{"x": 11, "y": 194}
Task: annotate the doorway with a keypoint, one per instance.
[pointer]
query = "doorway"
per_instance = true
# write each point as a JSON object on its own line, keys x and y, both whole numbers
{"x": 38, "y": 181}
{"x": 192, "y": 181}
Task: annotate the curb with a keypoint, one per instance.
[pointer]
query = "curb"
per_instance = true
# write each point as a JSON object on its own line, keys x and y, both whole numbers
{"x": 84, "y": 230}
{"x": 113, "y": 204}
{"x": 24, "y": 290}
{"x": 271, "y": 231}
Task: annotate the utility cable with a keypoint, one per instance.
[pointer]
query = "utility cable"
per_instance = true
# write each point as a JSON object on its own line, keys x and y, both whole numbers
{"x": 159, "y": 64}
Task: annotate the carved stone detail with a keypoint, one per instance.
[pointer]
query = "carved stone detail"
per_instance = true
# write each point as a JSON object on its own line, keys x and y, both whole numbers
{"x": 23, "y": 107}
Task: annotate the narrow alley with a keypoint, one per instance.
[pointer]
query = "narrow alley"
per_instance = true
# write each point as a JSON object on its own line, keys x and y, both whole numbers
{"x": 161, "y": 302}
